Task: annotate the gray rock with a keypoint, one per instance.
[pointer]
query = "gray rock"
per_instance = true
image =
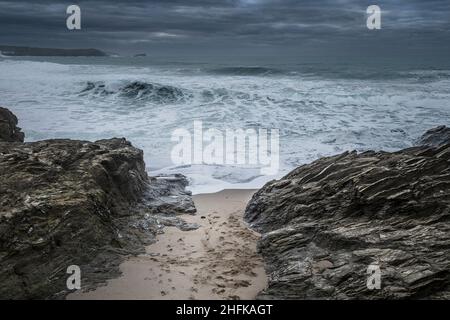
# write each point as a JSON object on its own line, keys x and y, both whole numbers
{"x": 8, "y": 127}
{"x": 324, "y": 223}
{"x": 65, "y": 202}
{"x": 435, "y": 137}
{"x": 168, "y": 194}
{"x": 171, "y": 221}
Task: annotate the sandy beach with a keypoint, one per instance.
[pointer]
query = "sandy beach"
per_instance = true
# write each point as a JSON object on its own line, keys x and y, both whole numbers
{"x": 216, "y": 261}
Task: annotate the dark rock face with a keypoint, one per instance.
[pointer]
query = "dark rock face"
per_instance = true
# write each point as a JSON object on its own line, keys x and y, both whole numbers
{"x": 324, "y": 223}
{"x": 435, "y": 137}
{"x": 8, "y": 127}
{"x": 65, "y": 202}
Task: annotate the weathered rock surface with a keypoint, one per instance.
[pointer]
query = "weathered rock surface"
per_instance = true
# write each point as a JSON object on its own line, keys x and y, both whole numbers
{"x": 324, "y": 223}
{"x": 435, "y": 137}
{"x": 67, "y": 202}
{"x": 8, "y": 127}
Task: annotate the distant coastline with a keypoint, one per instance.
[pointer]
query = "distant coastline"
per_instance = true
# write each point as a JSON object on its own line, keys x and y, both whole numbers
{"x": 14, "y": 51}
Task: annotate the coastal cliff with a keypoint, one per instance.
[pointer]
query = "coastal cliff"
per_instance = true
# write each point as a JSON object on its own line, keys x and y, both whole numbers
{"x": 15, "y": 51}
{"x": 324, "y": 223}
{"x": 70, "y": 202}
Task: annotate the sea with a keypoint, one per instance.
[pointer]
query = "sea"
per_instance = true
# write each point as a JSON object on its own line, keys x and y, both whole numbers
{"x": 320, "y": 108}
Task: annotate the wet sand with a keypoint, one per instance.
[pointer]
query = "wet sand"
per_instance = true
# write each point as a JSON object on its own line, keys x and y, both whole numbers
{"x": 216, "y": 261}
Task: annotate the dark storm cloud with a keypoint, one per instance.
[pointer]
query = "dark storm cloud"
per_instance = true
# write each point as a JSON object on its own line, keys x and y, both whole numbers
{"x": 199, "y": 25}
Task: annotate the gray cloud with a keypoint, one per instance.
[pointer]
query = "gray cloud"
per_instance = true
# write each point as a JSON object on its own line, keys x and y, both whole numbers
{"x": 199, "y": 26}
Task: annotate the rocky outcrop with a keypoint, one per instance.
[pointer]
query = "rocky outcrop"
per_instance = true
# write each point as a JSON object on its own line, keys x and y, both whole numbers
{"x": 8, "y": 127}
{"x": 49, "y": 52}
{"x": 324, "y": 223}
{"x": 68, "y": 202}
{"x": 435, "y": 137}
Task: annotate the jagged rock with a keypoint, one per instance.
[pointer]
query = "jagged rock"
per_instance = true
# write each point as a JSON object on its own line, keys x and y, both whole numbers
{"x": 324, "y": 223}
{"x": 65, "y": 202}
{"x": 169, "y": 195}
{"x": 8, "y": 127}
{"x": 435, "y": 137}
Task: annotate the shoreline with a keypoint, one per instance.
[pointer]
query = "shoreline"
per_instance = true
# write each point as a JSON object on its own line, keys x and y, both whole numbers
{"x": 216, "y": 261}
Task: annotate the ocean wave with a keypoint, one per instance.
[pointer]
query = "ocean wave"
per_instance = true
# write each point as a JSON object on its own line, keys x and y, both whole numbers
{"x": 427, "y": 75}
{"x": 96, "y": 88}
{"x": 246, "y": 71}
{"x": 137, "y": 90}
{"x": 380, "y": 74}
{"x": 318, "y": 112}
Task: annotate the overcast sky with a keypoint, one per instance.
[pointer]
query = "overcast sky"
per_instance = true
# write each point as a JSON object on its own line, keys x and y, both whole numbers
{"x": 314, "y": 27}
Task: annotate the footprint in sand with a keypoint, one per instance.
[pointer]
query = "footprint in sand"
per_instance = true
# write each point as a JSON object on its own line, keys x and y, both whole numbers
{"x": 218, "y": 291}
{"x": 231, "y": 272}
{"x": 241, "y": 283}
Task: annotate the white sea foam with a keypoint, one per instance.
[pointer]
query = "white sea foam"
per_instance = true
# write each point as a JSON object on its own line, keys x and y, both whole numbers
{"x": 316, "y": 115}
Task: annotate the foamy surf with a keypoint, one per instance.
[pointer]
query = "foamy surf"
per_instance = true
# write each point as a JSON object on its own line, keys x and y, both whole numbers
{"x": 318, "y": 112}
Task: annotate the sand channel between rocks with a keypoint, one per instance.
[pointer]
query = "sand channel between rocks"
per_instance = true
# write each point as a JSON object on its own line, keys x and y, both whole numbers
{"x": 216, "y": 261}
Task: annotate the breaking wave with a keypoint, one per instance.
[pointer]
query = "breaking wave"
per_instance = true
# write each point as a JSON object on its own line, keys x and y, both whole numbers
{"x": 246, "y": 71}
{"x": 319, "y": 110}
{"x": 137, "y": 90}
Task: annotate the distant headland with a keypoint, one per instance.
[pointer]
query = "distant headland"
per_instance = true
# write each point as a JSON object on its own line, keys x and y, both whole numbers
{"x": 30, "y": 51}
